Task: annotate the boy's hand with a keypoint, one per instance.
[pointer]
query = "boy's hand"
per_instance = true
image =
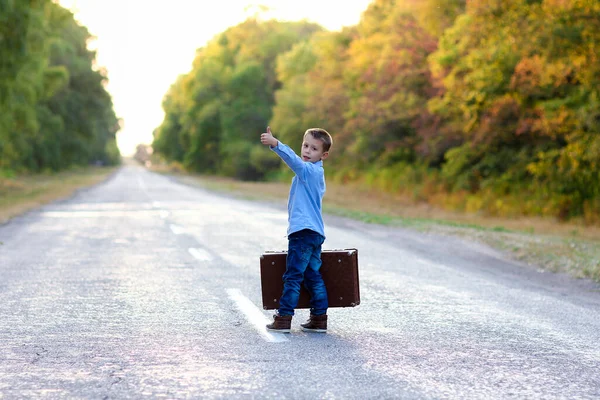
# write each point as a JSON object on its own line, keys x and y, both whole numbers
{"x": 268, "y": 139}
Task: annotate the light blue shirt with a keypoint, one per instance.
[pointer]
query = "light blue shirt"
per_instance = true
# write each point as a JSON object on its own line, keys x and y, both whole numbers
{"x": 306, "y": 192}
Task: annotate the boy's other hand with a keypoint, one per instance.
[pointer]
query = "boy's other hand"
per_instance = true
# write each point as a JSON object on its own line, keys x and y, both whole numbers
{"x": 268, "y": 139}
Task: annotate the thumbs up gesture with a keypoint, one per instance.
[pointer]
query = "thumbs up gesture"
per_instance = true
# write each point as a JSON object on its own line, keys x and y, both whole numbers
{"x": 267, "y": 138}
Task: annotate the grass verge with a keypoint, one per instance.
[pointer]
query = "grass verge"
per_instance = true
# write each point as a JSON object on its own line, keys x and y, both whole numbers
{"x": 26, "y": 192}
{"x": 543, "y": 243}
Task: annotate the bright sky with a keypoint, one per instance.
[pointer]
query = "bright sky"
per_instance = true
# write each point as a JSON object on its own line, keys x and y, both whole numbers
{"x": 146, "y": 44}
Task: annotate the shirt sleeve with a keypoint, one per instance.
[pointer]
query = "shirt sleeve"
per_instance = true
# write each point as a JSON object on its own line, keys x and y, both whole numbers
{"x": 292, "y": 160}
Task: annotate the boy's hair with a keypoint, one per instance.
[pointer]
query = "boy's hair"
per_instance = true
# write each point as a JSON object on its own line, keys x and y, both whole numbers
{"x": 322, "y": 135}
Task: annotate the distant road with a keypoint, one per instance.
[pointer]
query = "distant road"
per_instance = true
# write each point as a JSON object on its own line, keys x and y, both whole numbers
{"x": 144, "y": 287}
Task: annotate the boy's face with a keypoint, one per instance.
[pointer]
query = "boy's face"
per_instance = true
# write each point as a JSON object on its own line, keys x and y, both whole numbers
{"x": 312, "y": 149}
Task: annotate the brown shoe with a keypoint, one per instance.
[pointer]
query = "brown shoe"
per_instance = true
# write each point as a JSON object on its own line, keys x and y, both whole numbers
{"x": 316, "y": 323}
{"x": 281, "y": 323}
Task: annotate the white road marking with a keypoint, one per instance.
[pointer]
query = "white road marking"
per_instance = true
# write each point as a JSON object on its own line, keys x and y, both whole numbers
{"x": 272, "y": 215}
{"x": 164, "y": 214}
{"x": 235, "y": 259}
{"x": 200, "y": 254}
{"x": 142, "y": 185}
{"x": 99, "y": 214}
{"x": 107, "y": 206}
{"x": 176, "y": 229}
{"x": 255, "y": 316}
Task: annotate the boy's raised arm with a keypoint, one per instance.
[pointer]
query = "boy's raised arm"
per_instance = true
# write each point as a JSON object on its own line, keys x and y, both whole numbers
{"x": 285, "y": 152}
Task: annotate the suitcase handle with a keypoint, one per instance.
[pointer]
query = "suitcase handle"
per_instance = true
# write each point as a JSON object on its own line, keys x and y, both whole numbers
{"x": 350, "y": 251}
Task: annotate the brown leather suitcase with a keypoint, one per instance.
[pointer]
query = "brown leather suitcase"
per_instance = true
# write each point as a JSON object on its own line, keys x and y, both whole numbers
{"x": 339, "y": 271}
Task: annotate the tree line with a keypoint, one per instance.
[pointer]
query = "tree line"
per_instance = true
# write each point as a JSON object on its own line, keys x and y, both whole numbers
{"x": 482, "y": 106}
{"x": 56, "y": 112}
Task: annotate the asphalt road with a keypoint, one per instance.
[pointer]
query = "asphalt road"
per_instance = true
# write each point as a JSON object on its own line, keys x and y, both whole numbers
{"x": 142, "y": 287}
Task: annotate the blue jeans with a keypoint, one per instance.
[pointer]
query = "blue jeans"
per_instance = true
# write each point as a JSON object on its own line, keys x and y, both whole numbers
{"x": 303, "y": 264}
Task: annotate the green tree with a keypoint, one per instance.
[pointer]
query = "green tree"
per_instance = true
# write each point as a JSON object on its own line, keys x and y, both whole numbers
{"x": 21, "y": 70}
{"x": 313, "y": 92}
{"x": 56, "y": 111}
{"x": 226, "y": 101}
{"x": 80, "y": 101}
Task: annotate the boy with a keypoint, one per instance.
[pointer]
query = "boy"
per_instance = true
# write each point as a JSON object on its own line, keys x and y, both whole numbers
{"x": 306, "y": 231}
